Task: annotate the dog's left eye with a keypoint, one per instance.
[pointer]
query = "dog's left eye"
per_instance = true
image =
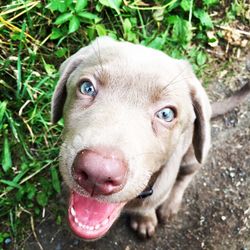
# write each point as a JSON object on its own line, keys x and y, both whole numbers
{"x": 87, "y": 88}
{"x": 166, "y": 114}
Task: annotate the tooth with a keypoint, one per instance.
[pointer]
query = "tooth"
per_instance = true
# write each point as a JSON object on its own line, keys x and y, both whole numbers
{"x": 105, "y": 221}
{"x": 97, "y": 226}
{"x": 76, "y": 220}
{"x": 73, "y": 212}
{"x": 83, "y": 226}
{"x": 91, "y": 228}
{"x": 87, "y": 227}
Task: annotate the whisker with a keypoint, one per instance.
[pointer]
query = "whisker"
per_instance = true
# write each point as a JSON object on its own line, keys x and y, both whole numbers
{"x": 98, "y": 55}
{"x": 177, "y": 76}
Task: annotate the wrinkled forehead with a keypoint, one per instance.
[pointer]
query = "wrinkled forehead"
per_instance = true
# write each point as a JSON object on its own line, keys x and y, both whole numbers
{"x": 126, "y": 58}
{"x": 134, "y": 69}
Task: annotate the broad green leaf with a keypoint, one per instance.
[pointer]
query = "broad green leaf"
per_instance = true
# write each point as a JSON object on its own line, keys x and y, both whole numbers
{"x": 210, "y": 2}
{"x": 181, "y": 29}
{"x": 49, "y": 68}
{"x": 186, "y": 4}
{"x": 204, "y": 18}
{"x": 91, "y": 32}
{"x": 42, "y": 199}
{"x": 56, "y": 33}
{"x": 63, "y": 18}
{"x": 74, "y": 24}
{"x": 87, "y": 15}
{"x": 201, "y": 58}
{"x": 61, "y": 52}
{"x": 172, "y": 19}
{"x": 30, "y": 190}
{"x": 67, "y": 2}
{"x": 81, "y": 5}
{"x": 127, "y": 25}
{"x": 55, "y": 180}
{"x": 112, "y": 35}
{"x": 58, "y": 5}
{"x": 157, "y": 43}
{"x": 113, "y": 4}
{"x": 176, "y": 53}
{"x": 101, "y": 31}
{"x": 6, "y": 156}
{"x": 129, "y": 35}
{"x": 59, "y": 220}
{"x": 19, "y": 194}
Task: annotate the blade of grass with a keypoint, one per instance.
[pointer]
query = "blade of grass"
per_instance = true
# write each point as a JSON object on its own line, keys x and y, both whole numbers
{"x": 32, "y": 175}
{"x": 144, "y": 32}
{"x": 13, "y": 28}
{"x": 190, "y": 12}
{"x": 10, "y": 183}
{"x": 6, "y": 157}
{"x": 136, "y": 7}
{"x": 33, "y": 4}
{"x": 19, "y": 60}
{"x": 18, "y": 8}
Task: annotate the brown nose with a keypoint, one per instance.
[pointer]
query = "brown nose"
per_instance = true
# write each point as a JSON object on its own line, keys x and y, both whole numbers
{"x": 100, "y": 171}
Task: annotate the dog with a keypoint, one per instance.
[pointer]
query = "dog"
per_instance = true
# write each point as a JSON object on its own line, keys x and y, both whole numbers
{"x": 136, "y": 131}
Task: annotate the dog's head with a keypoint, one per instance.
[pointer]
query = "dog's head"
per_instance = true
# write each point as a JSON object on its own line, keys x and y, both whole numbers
{"x": 125, "y": 108}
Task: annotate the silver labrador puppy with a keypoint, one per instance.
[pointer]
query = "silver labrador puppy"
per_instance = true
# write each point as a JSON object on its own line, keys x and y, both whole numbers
{"x": 137, "y": 129}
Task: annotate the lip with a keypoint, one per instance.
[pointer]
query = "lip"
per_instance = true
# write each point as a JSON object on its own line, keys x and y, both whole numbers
{"x": 89, "y": 218}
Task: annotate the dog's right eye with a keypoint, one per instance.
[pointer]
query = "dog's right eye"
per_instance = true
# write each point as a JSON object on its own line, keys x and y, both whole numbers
{"x": 87, "y": 88}
{"x": 166, "y": 114}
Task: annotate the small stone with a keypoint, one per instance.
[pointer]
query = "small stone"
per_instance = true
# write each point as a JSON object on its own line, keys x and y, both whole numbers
{"x": 76, "y": 242}
{"x": 248, "y": 62}
{"x": 223, "y": 218}
{"x": 232, "y": 174}
{"x": 202, "y": 219}
{"x": 58, "y": 246}
{"x": 7, "y": 241}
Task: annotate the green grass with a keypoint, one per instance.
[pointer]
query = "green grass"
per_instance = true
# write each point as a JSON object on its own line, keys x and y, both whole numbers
{"x": 35, "y": 37}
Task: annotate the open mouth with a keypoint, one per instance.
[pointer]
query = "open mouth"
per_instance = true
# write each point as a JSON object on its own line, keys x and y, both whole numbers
{"x": 90, "y": 218}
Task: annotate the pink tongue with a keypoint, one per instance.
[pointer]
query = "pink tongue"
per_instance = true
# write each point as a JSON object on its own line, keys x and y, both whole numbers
{"x": 91, "y": 211}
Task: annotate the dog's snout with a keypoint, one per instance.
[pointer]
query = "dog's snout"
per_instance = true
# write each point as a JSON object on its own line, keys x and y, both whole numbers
{"x": 100, "y": 171}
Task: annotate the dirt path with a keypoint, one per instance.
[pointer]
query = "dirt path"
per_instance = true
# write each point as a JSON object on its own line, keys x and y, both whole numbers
{"x": 216, "y": 208}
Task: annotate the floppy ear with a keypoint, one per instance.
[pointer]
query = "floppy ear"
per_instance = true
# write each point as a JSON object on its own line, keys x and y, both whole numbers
{"x": 202, "y": 109}
{"x": 60, "y": 92}
{"x": 201, "y": 135}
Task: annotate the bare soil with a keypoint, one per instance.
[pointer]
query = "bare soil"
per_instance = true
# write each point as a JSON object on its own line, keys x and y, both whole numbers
{"x": 216, "y": 208}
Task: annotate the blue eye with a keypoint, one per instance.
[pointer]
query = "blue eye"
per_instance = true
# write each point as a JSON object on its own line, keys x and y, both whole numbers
{"x": 87, "y": 88}
{"x": 166, "y": 114}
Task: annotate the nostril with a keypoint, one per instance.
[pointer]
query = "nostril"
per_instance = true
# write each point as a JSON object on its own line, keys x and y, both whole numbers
{"x": 84, "y": 175}
{"x": 112, "y": 182}
{"x": 81, "y": 176}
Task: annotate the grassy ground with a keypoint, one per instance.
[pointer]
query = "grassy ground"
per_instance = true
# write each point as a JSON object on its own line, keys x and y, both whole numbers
{"x": 36, "y": 36}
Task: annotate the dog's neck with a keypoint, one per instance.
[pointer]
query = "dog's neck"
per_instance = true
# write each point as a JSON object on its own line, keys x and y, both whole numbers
{"x": 148, "y": 191}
